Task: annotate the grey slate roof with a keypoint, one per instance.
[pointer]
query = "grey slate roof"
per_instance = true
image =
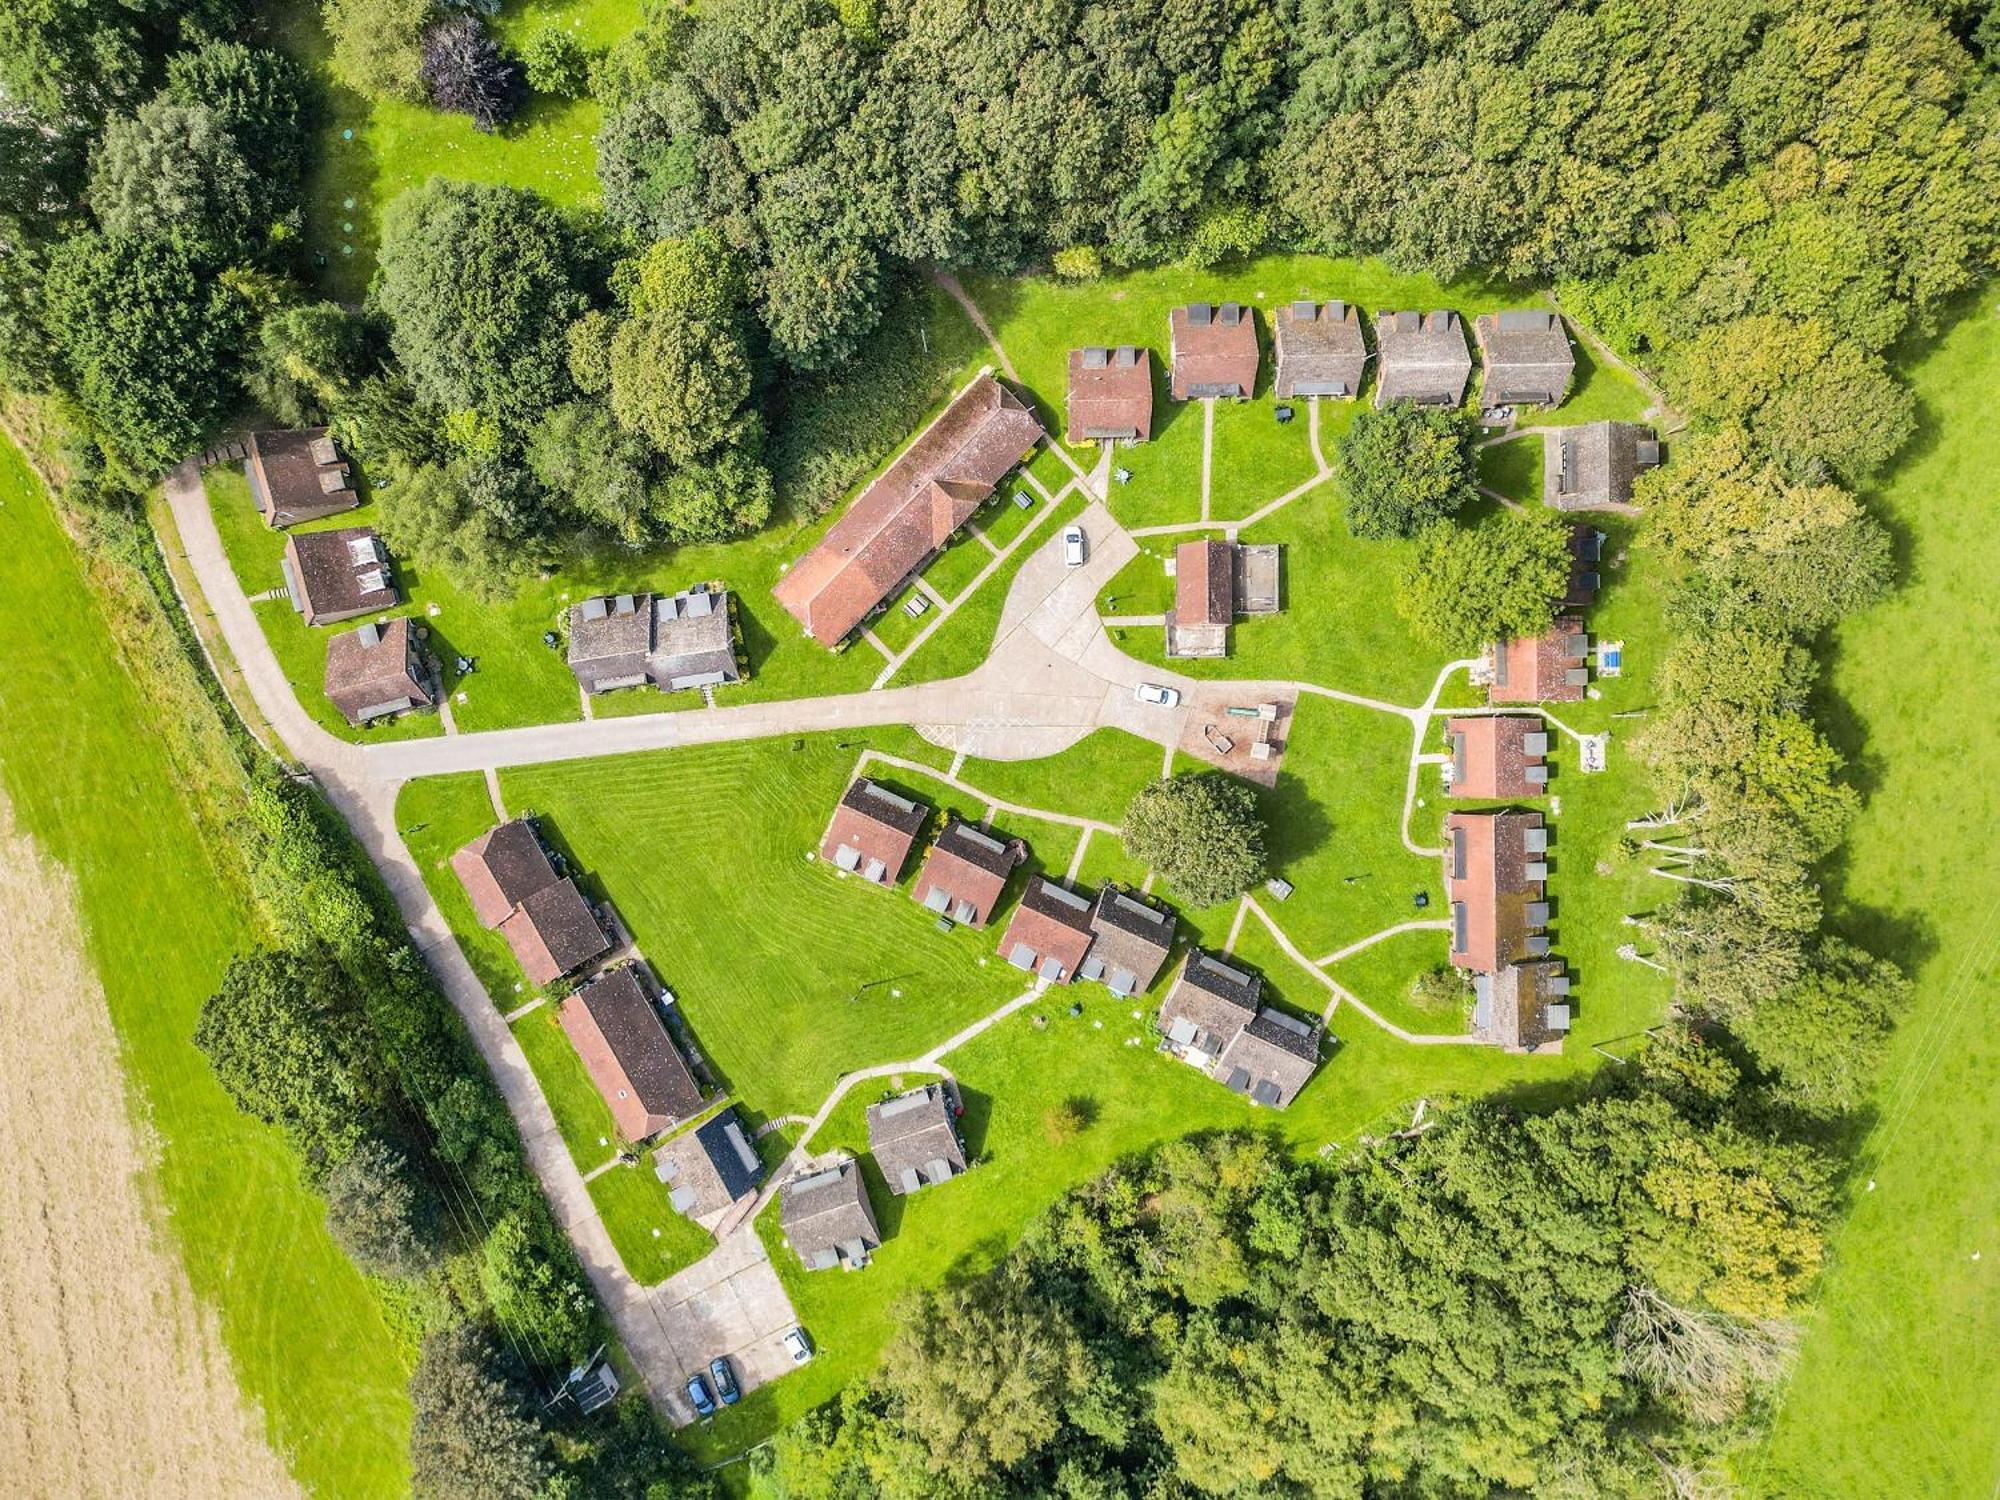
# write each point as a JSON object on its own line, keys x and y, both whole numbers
{"x": 692, "y": 646}
{"x": 1212, "y": 999}
{"x": 1132, "y": 942}
{"x": 826, "y": 1217}
{"x": 1593, "y": 466}
{"x": 1528, "y": 357}
{"x": 1421, "y": 357}
{"x": 1321, "y": 350}
{"x": 1271, "y": 1058}
{"x": 609, "y": 638}
{"x": 708, "y": 1168}
{"x": 915, "y": 1139}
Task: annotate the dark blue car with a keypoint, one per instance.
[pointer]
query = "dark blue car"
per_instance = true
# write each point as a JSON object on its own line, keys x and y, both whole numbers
{"x": 725, "y": 1380}
{"x": 698, "y": 1394}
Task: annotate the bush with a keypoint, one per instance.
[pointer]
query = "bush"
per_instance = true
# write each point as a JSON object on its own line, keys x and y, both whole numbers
{"x": 378, "y": 1212}
{"x": 1079, "y": 263}
{"x": 465, "y": 73}
{"x": 556, "y": 63}
{"x": 1201, "y": 832}
{"x": 536, "y": 1300}
{"x": 378, "y": 46}
{"x": 1403, "y": 467}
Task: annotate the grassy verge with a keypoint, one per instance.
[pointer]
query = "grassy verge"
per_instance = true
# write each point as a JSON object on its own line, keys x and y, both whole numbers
{"x": 653, "y": 1239}
{"x": 99, "y": 788}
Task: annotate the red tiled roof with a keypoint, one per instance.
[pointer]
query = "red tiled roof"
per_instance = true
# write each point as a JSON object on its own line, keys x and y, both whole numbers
{"x": 1490, "y": 757}
{"x": 910, "y": 511}
{"x": 637, "y": 1068}
{"x": 1049, "y": 927}
{"x": 1537, "y": 669}
{"x": 1215, "y": 354}
{"x": 963, "y": 867}
{"x": 502, "y": 868}
{"x": 1204, "y": 583}
{"x": 1486, "y": 881}
{"x": 876, "y": 824}
{"x": 1110, "y": 394}
{"x": 553, "y": 932}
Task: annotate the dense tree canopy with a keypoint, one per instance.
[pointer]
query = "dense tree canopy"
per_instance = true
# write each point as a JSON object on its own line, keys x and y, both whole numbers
{"x": 471, "y": 1437}
{"x": 1403, "y": 467}
{"x": 1467, "y": 586}
{"x": 1201, "y": 832}
{"x": 174, "y": 170}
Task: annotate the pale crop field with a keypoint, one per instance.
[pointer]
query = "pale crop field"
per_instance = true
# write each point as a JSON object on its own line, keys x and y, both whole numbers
{"x": 113, "y": 1377}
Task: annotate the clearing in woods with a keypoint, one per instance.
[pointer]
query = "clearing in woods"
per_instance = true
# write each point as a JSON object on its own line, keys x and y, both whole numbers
{"x": 117, "y": 1383}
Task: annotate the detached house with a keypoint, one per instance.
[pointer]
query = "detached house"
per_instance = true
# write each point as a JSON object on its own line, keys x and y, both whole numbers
{"x": 376, "y": 670}
{"x": 1049, "y": 934}
{"x": 625, "y": 1047}
{"x": 709, "y": 1169}
{"x": 1320, "y": 350}
{"x": 336, "y": 575}
{"x": 1592, "y": 467}
{"x": 1496, "y": 756}
{"x": 1553, "y": 667}
{"x": 1214, "y": 1018}
{"x": 907, "y": 514}
{"x": 1110, "y": 395}
{"x": 872, "y": 831}
{"x": 1213, "y": 351}
{"x": 965, "y": 872}
{"x": 1527, "y": 358}
{"x": 914, "y": 1139}
{"x": 1495, "y": 867}
{"x": 1214, "y": 582}
{"x": 298, "y": 475}
{"x": 1421, "y": 357}
{"x": 827, "y": 1219}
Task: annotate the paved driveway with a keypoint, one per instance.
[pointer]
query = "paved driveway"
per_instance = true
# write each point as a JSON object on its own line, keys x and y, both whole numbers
{"x": 730, "y": 1302}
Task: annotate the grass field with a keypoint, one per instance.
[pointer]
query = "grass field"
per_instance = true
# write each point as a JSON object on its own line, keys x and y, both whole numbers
{"x": 95, "y": 789}
{"x": 1899, "y": 1380}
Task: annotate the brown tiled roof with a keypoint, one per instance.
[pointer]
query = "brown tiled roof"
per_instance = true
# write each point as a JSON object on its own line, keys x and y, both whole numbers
{"x": 1491, "y": 754}
{"x": 1527, "y": 357}
{"x": 376, "y": 669}
{"x": 1550, "y": 668}
{"x": 914, "y": 1139}
{"x": 1592, "y": 467}
{"x": 1110, "y": 394}
{"x": 553, "y": 932}
{"x": 1133, "y": 939}
{"x": 1213, "y": 995}
{"x": 336, "y": 575}
{"x": 1213, "y": 350}
{"x": 1522, "y": 1006}
{"x": 298, "y": 475}
{"x": 826, "y": 1210}
{"x": 1320, "y": 348}
{"x": 1271, "y": 1058}
{"x": 609, "y": 639}
{"x": 910, "y": 511}
{"x": 1204, "y": 583}
{"x": 1049, "y": 933}
{"x": 692, "y": 642}
{"x": 1420, "y": 357}
{"x": 1494, "y": 900}
{"x": 502, "y": 868}
{"x": 708, "y": 1168}
{"x": 872, "y": 826}
{"x": 637, "y": 1068}
{"x": 966, "y": 871}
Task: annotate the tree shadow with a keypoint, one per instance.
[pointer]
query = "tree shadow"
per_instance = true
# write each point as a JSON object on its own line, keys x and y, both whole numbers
{"x": 1295, "y": 824}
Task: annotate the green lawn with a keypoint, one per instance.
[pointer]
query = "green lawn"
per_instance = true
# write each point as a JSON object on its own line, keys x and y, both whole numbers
{"x": 652, "y": 1238}
{"x": 437, "y": 817}
{"x": 581, "y": 1113}
{"x": 1256, "y": 460}
{"x": 93, "y": 784}
{"x": 1513, "y": 468}
{"x": 1900, "y": 1374}
{"x": 1095, "y": 778}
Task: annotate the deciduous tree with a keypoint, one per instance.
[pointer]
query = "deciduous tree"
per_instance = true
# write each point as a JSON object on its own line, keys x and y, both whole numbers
{"x": 1201, "y": 832}
{"x": 1402, "y": 467}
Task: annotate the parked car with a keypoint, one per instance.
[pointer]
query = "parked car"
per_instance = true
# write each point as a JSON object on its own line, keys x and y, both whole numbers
{"x": 725, "y": 1380}
{"x": 1073, "y": 546}
{"x": 698, "y": 1394}
{"x": 796, "y": 1346}
{"x": 1155, "y": 693}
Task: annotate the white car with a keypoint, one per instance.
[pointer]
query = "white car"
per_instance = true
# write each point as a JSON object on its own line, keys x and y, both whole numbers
{"x": 796, "y": 1346}
{"x": 1155, "y": 693}
{"x": 1073, "y": 548}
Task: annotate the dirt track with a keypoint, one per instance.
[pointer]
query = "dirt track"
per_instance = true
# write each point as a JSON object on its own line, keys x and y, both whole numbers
{"x": 113, "y": 1378}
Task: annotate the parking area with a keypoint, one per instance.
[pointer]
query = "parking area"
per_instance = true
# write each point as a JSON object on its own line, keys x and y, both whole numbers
{"x": 730, "y": 1303}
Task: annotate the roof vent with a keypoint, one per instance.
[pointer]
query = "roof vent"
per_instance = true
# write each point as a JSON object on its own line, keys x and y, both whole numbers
{"x": 1096, "y": 358}
{"x": 1305, "y": 311}
{"x": 593, "y": 609}
{"x": 1198, "y": 314}
{"x": 1232, "y": 314}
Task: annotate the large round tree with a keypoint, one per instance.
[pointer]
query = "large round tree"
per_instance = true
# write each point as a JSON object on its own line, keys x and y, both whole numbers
{"x": 1201, "y": 833}
{"x": 1403, "y": 467}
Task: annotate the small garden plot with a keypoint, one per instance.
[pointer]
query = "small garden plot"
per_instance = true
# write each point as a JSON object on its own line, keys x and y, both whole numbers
{"x": 1256, "y": 458}
{"x": 651, "y": 1236}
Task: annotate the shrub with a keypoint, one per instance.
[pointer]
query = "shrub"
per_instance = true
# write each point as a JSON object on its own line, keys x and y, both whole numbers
{"x": 465, "y": 73}
{"x": 1079, "y": 263}
{"x": 472, "y": 1435}
{"x": 378, "y": 1212}
{"x": 556, "y": 63}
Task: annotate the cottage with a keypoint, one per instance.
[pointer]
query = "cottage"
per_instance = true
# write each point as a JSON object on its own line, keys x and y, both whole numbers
{"x": 1522, "y": 1007}
{"x": 501, "y": 868}
{"x": 914, "y": 1138}
{"x": 1495, "y": 864}
{"x": 911, "y": 511}
{"x": 1497, "y": 756}
{"x": 1214, "y": 1018}
{"x": 336, "y": 575}
{"x": 1204, "y": 599}
{"x": 1527, "y": 358}
{"x": 1420, "y": 357}
{"x": 1592, "y": 467}
{"x": 872, "y": 831}
{"x": 298, "y": 475}
{"x": 1130, "y": 942}
{"x": 554, "y": 932}
{"x": 693, "y": 643}
{"x": 618, "y": 1033}
{"x": 376, "y": 670}
{"x": 1320, "y": 350}
{"x": 708, "y": 1170}
{"x": 1110, "y": 395}
{"x": 1553, "y": 667}
{"x": 827, "y": 1220}
{"x": 965, "y": 872}
{"x": 1213, "y": 351}
{"x": 1049, "y": 935}
{"x": 1586, "y": 550}
{"x": 609, "y": 641}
